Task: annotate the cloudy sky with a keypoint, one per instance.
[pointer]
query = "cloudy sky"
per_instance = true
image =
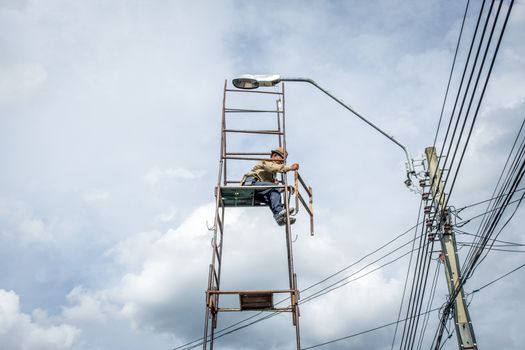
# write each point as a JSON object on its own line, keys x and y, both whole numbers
{"x": 109, "y": 144}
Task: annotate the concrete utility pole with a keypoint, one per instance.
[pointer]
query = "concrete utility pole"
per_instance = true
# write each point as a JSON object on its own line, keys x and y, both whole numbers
{"x": 464, "y": 329}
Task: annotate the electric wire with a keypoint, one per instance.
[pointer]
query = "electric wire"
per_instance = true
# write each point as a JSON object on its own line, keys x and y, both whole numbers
{"x": 486, "y": 251}
{"x": 325, "y": 290}
{"x": 466, "y": 93}
{"x": 416, "y": 296}
{"x": 313, "y": 296}
{"x": 494, "y": 197}
{"x": 460, "y": 140}
{"x": 392, "y": 323}
{"x": 219, "y": 334}
{"x": 512, "y": 180}
{"x": 462, "y": 80}
{"x": 344, "y": 280}
{"x": 501, "y": 243}
{"x": 487, "y": 79}
{"x": 359, "y": 333}
{"x": 500, "y": 249}
{"x": 467, "y": 88}
{"x": 451, "y": 72}
{"x": 323, "y": 280}
{"x": 503, "y": 189}
{"x": 406, "y": 278}
{"x": 315, "y": 284}
{"x": 467, "y": 221}
{"x": 363, "y": 258}
{"x": 429, "y": 304}
{"x": 188, "y": 346}
{"x": 422, "y": 276}
{"x": 410, "y": 307}
{"x": 422, "y": 291}
{"x": 335, "y": 287}
{"x": 439, "y": 166}
{"x": 418, "y": 289}
{"x": 477, "y": 80}
{"x": 472, "y": 263}
{"x": 497, "y": 279}
{"x": 471, "y": 102}
{"x": 471, "y": 266}
{"x": 490, "y": 199}
{"x": 335, "y": 274}
{"x": 319, "y": 293}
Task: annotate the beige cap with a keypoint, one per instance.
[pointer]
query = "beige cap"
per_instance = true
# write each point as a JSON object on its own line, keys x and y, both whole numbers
{"x": 280, "y": 151}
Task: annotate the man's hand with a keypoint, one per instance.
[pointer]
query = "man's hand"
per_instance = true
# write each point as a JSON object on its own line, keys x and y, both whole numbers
{"x": 295, "y": 166}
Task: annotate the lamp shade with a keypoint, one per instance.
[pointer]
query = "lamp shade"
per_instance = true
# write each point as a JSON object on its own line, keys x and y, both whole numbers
{"x": 250, "y": 81}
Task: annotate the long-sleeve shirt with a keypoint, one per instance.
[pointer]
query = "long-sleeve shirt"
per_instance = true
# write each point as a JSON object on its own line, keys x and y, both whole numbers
{"x": 265, "y": 171}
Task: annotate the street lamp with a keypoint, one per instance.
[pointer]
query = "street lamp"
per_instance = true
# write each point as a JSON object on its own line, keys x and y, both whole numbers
{"x": 250, "y": 81}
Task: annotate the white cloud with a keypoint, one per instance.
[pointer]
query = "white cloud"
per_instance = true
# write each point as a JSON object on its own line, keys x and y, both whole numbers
{"x": 21, "y": 331}
{"x": 13, "y": 4}
{"x": 108, "y": 90}
{"x": 156, "y": 175}
{"x": 368, "y": 305}
{"x": 87, "y": 307}
{"x": 170, "y": 272}
{"x": 132, "y": 251}
{"x": 33, "y": 230}
{"x": 95, "y": 195}
{"x": 170, "y": 269}
{"x": 22, "y": 224}
{"x": 166, "y": 216}
{"x": 20, "y": 79}
{"x": 170, "y": 276}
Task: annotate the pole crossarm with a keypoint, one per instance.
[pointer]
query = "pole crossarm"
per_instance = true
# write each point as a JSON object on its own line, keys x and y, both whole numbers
{"x": 464, "y": 329}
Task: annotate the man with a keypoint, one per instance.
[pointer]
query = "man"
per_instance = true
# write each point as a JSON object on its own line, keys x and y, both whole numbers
{"x": 263, "y": 174}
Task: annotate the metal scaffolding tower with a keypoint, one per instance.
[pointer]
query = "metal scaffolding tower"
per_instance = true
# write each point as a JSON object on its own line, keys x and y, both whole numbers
{"x": 229, "y": 193}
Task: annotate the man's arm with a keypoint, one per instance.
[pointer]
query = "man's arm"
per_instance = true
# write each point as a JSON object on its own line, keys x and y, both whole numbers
{"x": 279, "y": 168}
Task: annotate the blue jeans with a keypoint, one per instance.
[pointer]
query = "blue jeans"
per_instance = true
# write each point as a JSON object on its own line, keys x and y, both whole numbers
{"x": 270, "y": 196}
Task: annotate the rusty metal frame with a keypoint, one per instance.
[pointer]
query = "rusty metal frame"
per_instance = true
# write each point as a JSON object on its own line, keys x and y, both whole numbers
{"x": 213, "y": 291}
{"x": 300, "y": 199}
{"x": 241, "y": 292}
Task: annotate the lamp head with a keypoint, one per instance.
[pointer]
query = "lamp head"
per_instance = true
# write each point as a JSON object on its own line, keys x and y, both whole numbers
{"x": 251, "y": 81}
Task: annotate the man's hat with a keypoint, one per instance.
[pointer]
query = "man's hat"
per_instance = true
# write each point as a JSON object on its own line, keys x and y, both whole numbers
{"x": 280, "y": 151}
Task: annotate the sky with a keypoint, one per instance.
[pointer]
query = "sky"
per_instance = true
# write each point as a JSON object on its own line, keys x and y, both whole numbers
{"x": 109, "y": 151}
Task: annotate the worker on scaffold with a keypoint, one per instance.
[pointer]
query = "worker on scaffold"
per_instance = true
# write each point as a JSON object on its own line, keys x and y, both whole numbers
{"x": 263, "y": 174}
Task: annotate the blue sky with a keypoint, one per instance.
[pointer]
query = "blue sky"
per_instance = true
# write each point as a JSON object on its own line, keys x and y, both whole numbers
{"x": 109, "y": 144}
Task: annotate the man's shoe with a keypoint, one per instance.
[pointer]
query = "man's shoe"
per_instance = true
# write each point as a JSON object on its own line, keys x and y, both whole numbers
{"x": 282, "y": 221}
{"x": 280, "y": 215}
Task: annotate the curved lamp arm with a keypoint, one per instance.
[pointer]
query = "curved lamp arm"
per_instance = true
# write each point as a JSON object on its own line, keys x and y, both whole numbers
{"x": 249, "y": 81}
